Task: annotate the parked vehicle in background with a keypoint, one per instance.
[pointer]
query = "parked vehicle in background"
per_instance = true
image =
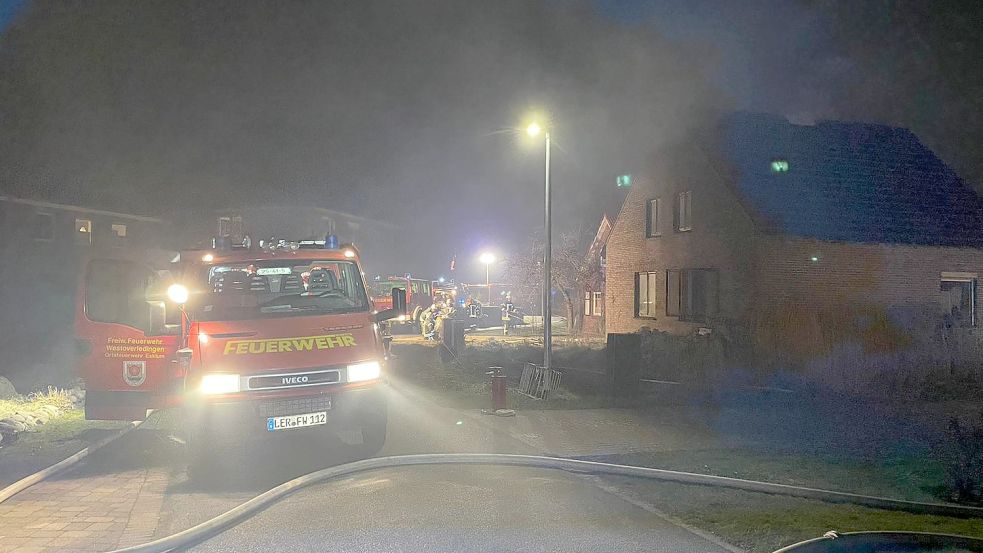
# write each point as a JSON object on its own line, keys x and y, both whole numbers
{"x": 419, "y": 296}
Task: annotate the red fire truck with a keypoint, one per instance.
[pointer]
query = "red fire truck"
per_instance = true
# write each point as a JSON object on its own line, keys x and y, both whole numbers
{"x": 280, "y": 339}
{"x": 419, "y": 296}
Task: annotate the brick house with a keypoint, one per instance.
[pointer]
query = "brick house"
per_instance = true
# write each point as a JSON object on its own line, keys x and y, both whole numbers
{"x": 592, "y": 310}
{"x": 804, "y": 236}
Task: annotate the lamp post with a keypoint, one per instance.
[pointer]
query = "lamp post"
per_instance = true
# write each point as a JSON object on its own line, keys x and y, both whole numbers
{"x": 533, "y": 130}
{"x": 487, "y": 258}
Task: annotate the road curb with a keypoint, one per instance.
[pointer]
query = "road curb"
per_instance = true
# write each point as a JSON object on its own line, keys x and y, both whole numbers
{"x": 28, "y": 481}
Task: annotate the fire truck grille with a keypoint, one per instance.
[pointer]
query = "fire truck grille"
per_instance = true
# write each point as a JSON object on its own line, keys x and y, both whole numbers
{"x": 295, "y": 406}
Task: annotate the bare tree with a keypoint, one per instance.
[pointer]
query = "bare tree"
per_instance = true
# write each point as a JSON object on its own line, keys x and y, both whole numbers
{"x": 572, "y": 273}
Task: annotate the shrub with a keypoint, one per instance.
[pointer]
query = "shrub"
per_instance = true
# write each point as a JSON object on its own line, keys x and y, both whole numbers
{"x": 962, "y": 454}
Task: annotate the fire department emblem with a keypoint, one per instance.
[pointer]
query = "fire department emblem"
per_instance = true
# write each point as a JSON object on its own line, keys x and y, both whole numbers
{"x": 134, "y": 372}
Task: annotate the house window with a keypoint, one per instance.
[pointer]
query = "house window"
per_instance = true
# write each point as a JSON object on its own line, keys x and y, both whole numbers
{"x": 692, "y": 294}
{"x": 83, "y": 232}
{"x": 959, "y": 300}
{"x": 44, "y": 226}
{"x": 652, "y": 218}
{"x": 119, "y": 230}
{"x": 646, "y": 293}
{"x": 682, "y": 214}
{"x": 593, "y": 303}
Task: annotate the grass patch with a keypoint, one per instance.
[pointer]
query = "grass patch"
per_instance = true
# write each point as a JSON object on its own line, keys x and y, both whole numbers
{"x": 762, "y": 523}
{"x": 48, "y": 444}
{"x": 910, "y": 478}
{"x": 54, "y": 397}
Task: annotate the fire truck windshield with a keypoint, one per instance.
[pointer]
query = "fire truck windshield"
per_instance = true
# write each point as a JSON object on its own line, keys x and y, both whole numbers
{"x": 278, "y": 288}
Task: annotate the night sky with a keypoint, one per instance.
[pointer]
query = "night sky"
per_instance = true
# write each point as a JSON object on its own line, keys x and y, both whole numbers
{"x": 402, "y": 110}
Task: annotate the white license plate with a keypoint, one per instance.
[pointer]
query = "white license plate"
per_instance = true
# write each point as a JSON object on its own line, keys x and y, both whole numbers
{"x": 296, "y": 421}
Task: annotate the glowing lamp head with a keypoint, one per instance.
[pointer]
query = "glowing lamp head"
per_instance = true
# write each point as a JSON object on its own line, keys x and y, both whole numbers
{"x": 487, "y": 258}
{"x": 534, "y": 129}
{"x": 349, "y": 253}
{"x": 208, "y": 258}
{"x": 177, "y": 293}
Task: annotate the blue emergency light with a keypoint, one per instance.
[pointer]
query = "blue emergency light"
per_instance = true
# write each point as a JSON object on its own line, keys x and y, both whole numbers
{"x": 331, "y": 242}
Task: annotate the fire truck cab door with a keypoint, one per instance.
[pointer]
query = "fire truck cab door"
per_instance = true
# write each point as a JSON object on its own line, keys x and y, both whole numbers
{"x": 125, "y": 348}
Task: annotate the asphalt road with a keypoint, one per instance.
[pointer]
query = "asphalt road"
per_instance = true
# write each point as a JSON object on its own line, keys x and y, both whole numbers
{"x": 401, "y": 509}
{"x": 456, "y": 509}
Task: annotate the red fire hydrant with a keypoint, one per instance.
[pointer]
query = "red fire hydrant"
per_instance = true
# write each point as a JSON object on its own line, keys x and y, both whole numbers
{"x": 497, "y": 388}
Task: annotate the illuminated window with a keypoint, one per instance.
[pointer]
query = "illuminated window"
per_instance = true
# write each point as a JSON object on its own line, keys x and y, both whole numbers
{"x": 779, "y": 166}
{"x": 119, "y": 230}
{"x": 83, "y": 232}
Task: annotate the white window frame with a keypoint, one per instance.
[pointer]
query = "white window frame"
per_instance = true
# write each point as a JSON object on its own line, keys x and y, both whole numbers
{"x": 118, "y": 230}
{"x": 964, "y": 278}
{"x": 652, "y": 208}
{"x": 683, "y": 217}
{"x": 645, "y": 303}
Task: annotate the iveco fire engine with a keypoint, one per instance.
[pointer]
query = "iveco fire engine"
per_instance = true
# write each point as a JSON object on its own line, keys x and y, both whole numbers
{"x": 279, "y": 339}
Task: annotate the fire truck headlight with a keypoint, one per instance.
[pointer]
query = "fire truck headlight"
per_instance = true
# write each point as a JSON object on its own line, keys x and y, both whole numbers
{"x": 349, "y": 254}
{"x": 219, "y": 383}
{"x": 401, "y": 318}
{"x": 177, "y": 293}
{"x": 363, "y": 371}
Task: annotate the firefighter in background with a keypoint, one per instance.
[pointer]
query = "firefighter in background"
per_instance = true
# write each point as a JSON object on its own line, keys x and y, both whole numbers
{"x": 446, "y": 312}
{"x": 433, "y": 317}
{"x": 510, "y": 315}
{"x": 428, "y": 321}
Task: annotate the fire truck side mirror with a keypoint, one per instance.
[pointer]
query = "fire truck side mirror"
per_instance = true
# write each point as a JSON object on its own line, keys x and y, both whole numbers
{"x": 398, "y": 308}
{"x": 399, "y": 301}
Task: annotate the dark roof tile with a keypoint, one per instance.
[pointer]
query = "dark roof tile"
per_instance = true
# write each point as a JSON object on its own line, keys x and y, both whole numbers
{"x": 852, "y": 182}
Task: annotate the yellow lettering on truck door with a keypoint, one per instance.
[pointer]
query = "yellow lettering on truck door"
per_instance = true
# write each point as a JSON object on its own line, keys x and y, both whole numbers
{"x": 303, "y": 344}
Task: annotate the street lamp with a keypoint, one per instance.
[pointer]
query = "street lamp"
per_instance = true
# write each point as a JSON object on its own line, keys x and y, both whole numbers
{"x": 533, "y": 130}
{"x": 487, "y": 258}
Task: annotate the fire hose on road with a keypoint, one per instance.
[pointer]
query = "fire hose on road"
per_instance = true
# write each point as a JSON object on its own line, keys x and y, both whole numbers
{"x": 250, "y": 508}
